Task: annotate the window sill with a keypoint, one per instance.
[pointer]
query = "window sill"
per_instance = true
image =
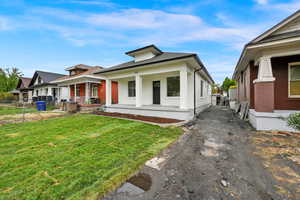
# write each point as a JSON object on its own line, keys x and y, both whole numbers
{"x": 177, "y": 97}
{"x": 294, "y": 97}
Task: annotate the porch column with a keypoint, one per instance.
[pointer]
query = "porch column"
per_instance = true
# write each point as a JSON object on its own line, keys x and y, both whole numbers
{"x": 69, "y": 87}
{"x": 138, "y": 90}
{"x": 264, "y": 86}
{"x": 87, "y": 92}
{"x": 108, "y": 92}
{"x": 183, "y": 89}
{"x": 75, "y": 92}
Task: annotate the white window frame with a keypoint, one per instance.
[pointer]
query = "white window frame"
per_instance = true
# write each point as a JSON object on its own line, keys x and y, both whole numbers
{"x": 95, "y": 86}
{"x": 289, "y": 79}
{"x": 172, "y": 97}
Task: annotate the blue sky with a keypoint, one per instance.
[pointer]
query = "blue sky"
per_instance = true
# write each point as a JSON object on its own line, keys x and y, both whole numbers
{"x": 54, "y": 34}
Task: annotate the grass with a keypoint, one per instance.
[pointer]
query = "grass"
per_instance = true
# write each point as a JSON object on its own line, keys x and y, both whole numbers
{"x": 75, "y": 157}
{"x": 8, "y": 110}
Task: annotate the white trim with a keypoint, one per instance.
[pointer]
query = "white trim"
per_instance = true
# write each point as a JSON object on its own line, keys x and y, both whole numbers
{"x": 273, "y": 43}
{"x": 78, "y": 77}
{"x": 289, "y": 76}
{"x": 171, "y": 76}
{"x": 270, "y": 120}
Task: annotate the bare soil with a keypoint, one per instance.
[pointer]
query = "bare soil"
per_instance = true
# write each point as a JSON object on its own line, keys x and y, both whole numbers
{"x": 17, "y": 118}
{"x": 159, "y": 120}
{"x": 222, "y": 157}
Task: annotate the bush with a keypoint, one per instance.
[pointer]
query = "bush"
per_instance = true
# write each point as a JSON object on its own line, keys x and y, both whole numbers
{"x": 6, "y": 97}
{"x": 293, "y": 121}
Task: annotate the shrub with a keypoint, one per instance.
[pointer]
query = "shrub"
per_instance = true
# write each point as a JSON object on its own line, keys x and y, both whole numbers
{"x": 7, "y": 97}
{"x": 293, "y": 121}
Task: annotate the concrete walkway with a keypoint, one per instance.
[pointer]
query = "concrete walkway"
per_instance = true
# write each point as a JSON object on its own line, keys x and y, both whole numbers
{"x": 213, "y": 161}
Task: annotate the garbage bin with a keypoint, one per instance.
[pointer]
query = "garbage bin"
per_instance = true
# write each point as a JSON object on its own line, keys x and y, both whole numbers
{"x": 41, "y": 105}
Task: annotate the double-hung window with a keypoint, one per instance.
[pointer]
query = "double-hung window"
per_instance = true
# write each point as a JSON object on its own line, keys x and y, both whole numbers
{"x": 94, "y": 90}
{"x": 131, "y": 88}
{"x": 173, "y": 86}
{"x": 294, "y": 79}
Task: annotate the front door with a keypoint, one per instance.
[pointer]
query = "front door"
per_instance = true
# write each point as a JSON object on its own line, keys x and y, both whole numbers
{"x": 156, "y": 92}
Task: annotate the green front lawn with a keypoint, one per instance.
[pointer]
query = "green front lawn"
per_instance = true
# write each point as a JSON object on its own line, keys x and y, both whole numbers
{"x": 74, "y": 157}
{"x": 9, "y": 110}
{"x": 5, "y": 110}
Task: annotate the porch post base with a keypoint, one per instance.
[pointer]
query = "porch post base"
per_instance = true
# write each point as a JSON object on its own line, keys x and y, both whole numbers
{"x": 264, "y": 96}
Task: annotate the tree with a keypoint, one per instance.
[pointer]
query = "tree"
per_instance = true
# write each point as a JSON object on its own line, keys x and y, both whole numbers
{"x": 9, "y": 78}
{"x": 215, "y": 88}
{"x": 227, "y": 83}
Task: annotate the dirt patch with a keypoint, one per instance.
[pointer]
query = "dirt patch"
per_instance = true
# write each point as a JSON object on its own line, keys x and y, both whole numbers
{"x": 17, "y": 118}
{"x": 142, "y": 181}
{"x": 159, "y": 120}
{"x": 215, "y": 161}
{"x": 280, "y": 152}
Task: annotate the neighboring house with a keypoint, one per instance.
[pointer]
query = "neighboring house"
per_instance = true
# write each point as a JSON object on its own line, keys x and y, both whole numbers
{"x": 44, "y": 90}
{"x": 268, "y": 75}
{"x": 161, "y": 84}
{"x": 83, "y": 85}
{"x": 23, "y": 93}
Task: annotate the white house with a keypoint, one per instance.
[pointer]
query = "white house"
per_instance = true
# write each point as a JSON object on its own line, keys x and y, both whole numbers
{"x": 157, "y": 83}
{"x": 44, "y": 90}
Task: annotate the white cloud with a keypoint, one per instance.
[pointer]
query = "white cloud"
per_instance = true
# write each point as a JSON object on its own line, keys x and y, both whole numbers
{"x": 92, "y": 2}
{"x": 286, "y": 7}
{"x": 283, "y": 8}
{"x": 143, "y": 19}
{"x": 5, "y": 24}
{"x": 136, "y": 26}
{"x": 262, "y": 2}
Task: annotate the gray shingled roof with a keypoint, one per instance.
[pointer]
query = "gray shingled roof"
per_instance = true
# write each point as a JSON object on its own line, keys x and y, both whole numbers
{"x": 47, "y": 77}
{"x": 165, "y": 56}
{"x": 281, "y": 36}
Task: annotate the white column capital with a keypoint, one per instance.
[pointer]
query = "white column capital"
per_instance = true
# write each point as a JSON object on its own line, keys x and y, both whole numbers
{"x": 138, "y": 90}
{"x": 265, "y": 73}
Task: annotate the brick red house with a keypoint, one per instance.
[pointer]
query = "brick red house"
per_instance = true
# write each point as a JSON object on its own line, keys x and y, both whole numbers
{"x": 268, "y": 75}
{"x": 86, "y": 88}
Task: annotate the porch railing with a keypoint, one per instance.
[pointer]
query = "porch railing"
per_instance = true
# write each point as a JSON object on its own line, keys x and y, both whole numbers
{"x": 84, "y": 100}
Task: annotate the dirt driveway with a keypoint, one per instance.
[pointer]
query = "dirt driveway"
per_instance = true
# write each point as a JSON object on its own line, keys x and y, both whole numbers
{"x": 217, "y": 159}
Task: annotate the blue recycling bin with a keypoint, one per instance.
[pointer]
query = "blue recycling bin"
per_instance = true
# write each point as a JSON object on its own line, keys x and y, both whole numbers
{"x": 41, "y": 105}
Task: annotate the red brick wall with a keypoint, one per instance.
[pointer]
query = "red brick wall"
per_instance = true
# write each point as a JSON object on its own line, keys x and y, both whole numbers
{"x": 280, "y": 72}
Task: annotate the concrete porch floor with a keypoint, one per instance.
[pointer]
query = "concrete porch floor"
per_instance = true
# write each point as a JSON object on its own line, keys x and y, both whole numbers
{"x": 149, "y": 107}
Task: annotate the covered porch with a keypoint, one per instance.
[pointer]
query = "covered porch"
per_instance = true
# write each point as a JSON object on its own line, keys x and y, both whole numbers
{"x": 84, "y": 90}
{"x": 159, "y": 89}
{"x": 87, "y": 93}
{"x": 158, "y": 93}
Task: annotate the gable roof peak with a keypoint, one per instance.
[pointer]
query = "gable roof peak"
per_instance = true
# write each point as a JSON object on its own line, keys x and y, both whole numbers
{"x": 276, "y": 27}
{"x": 150, "y": 48}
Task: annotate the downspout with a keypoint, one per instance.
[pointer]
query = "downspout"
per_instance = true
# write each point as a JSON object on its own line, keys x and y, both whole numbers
{"x": 196, "y": 70}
